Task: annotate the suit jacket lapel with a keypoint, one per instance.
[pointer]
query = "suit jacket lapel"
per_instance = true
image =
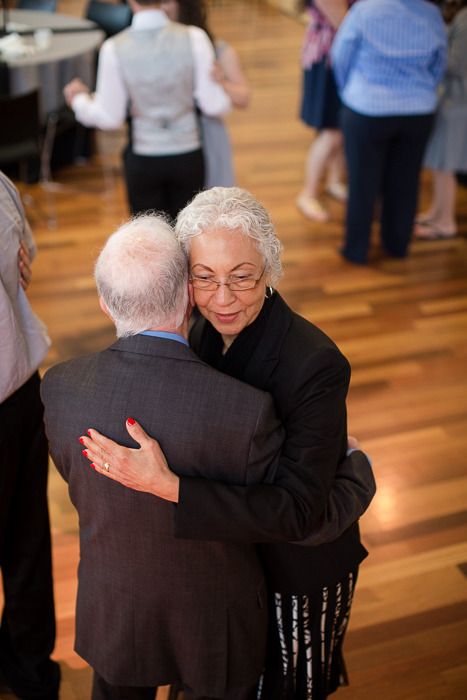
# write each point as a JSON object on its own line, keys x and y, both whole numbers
{"x": 270, "y": 340}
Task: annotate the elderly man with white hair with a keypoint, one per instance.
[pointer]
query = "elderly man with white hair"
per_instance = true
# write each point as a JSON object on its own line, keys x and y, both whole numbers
{"x": 151, "y": 609}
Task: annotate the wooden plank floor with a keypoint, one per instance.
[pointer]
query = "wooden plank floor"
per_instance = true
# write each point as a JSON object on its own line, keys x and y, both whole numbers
{"x": 403, "y": 325}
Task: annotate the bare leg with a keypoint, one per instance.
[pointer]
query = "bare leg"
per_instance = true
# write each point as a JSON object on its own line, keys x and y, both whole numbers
{"x": 444, "y": 200}
{"x": 336, "y": 167}
{"x": 426, "y": 216}
{"x": 321, "y": 152}
{"x": 441, "y": 215}
{"x": 320, "y": 156}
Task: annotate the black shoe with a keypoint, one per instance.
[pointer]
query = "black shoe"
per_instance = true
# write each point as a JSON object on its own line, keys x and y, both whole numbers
{"x": 46, "y": 689}
{"x": 354, "y": 259}
{"x": 4, "y": 687}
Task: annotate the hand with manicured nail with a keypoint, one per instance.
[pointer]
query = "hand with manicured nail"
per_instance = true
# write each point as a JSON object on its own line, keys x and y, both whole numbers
{"x": 142, "y": 469}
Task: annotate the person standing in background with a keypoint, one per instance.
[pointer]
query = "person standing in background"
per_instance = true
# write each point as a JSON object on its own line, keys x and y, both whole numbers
{"x": 228, "y": 72}
{"x": 446, "y": 152}
{"x": 321, "y": 108}
{"x": 162, "y": 70}
{"x": 27, "y": 629}
{"x": 388, "y": 57}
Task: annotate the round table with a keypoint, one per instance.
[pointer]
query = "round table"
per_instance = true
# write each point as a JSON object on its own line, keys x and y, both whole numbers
{"x": 71, "y": 54}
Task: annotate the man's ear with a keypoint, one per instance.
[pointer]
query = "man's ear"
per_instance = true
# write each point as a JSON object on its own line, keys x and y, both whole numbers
{"x": 104, "y": 308}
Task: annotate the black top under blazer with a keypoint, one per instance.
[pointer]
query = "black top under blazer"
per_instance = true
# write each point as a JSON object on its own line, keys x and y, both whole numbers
{"x": 153, "y": 610}
{"x": 308, "y": 378}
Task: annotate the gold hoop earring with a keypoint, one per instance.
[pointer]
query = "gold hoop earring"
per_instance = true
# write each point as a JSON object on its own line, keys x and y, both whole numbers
{"x": 269, "y": 292}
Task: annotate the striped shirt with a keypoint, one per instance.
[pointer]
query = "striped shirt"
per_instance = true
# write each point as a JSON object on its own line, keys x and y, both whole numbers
{"x": 389, "y": 57}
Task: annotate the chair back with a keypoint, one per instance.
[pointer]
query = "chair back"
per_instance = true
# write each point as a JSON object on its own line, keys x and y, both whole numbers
{"x": 42, "y": 5}
{"x": 111, "y": 18}
{"x": 19, "y": 127}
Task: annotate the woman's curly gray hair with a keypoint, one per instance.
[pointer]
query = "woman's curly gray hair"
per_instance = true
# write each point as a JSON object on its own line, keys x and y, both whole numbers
{"x": 232, "y": 208}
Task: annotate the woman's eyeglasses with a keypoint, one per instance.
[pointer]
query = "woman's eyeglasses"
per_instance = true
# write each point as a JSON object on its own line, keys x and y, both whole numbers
{"x": 236, "y": 283}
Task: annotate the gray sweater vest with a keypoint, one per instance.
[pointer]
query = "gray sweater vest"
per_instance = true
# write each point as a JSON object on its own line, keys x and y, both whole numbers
{"x": 157, "y": 67}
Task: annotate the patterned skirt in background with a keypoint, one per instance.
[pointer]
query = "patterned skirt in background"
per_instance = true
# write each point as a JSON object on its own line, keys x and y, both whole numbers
{"x": 304, "y": 659}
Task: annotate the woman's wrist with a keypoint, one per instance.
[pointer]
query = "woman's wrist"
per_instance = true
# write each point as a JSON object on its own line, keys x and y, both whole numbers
{"x": 167, "y": 487}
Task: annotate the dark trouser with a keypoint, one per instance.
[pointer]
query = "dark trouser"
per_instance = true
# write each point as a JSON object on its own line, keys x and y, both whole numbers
{"x": 101, "y": 690}
{"x": 27, "y": 631}
{"x": 162, "y": 183}
{"x": 232, "y": 694}
{"x": 384, "y": 157}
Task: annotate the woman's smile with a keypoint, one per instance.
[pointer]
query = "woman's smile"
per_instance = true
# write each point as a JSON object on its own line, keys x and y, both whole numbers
{"x": 225, "y": 256}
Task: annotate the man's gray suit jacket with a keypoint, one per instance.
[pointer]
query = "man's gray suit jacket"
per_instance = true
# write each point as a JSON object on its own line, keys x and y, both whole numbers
{"x": 153, "y": 609}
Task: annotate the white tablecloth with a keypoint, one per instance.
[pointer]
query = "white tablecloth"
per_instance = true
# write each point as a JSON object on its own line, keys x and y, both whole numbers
{"x": 71, "y": 54}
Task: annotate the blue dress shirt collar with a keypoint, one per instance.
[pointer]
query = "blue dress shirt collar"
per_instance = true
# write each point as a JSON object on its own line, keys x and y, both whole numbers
{"x": 168, "y": 336}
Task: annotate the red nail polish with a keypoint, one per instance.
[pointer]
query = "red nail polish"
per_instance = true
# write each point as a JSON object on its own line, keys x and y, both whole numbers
{"x": 131, "y": 421}
{"x": 93, "y": 466}
{"x": 89, "y": 433}
{"x": 81, "y": 440}
{"x": 85, "y": 452}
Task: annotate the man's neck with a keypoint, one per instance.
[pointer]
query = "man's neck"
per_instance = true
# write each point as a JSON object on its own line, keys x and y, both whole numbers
{"x": 181, "y": 330}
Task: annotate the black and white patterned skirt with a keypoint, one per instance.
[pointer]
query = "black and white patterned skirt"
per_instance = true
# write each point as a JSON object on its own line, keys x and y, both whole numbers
{"x": 304, "y": 658}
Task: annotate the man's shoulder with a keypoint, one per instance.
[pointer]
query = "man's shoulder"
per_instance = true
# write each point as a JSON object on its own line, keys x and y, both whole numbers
{"x": 197, "y": 36}
{"x": 11, "y": 209}
{"x": 8, "y": 185}
{"x": 69, "y": 370}
{"x": 222, "y": 385}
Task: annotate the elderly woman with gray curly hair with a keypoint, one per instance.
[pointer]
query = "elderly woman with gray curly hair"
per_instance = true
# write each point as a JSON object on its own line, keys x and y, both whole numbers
{"x": 246, "y": 330}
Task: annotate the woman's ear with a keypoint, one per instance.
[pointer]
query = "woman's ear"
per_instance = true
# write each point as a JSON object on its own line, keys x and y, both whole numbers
{"x": 269, "y": 290}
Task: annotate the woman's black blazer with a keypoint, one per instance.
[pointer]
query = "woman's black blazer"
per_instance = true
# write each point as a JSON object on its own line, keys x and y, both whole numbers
{"x": 308, "y": 377}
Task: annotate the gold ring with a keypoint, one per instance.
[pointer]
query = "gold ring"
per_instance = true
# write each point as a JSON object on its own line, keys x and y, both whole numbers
{"x": 106, "y": 466}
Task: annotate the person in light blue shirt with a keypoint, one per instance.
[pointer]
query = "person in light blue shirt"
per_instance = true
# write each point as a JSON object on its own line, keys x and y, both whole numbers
{"x": 388, "y": 58}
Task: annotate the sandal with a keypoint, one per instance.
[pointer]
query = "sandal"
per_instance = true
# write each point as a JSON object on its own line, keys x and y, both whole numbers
{"x": 312, "y": 208}
{"x": 424, "y": 219}
{"x": 338, "y": 190}
{"x": 428, "y": 232}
